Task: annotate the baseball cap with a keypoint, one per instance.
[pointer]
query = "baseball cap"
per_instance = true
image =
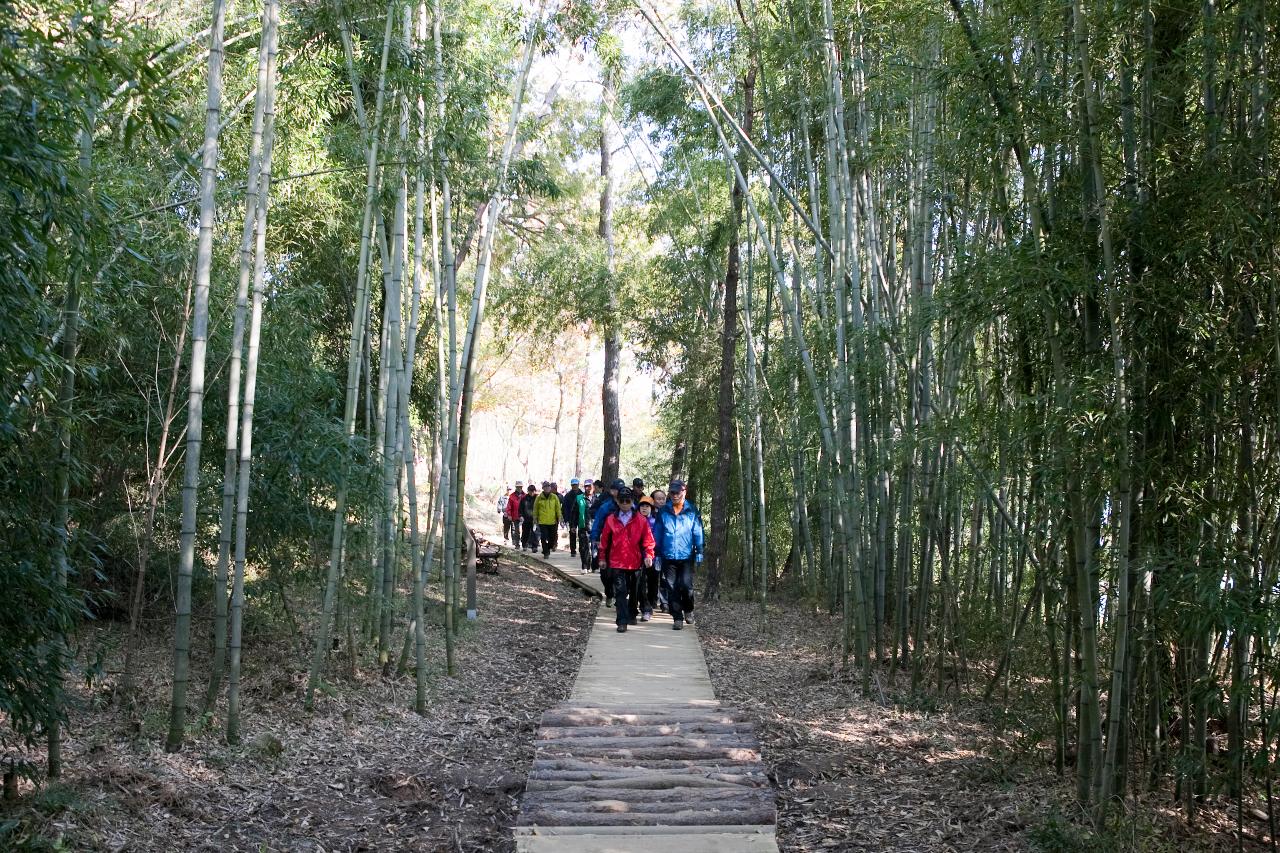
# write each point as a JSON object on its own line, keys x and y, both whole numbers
{"x": 519, "y": 484}
{"x": 675, "y": 486}
{"x": 625, "y": 497}
{"x": 637, "y": 483}
{"x": 573, "y": 482}
{"x": 619, "y": 484}
{"x": 646, "y": 500}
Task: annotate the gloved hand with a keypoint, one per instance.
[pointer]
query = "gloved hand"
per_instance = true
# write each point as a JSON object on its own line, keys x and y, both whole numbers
{"x": 648, "y": 562}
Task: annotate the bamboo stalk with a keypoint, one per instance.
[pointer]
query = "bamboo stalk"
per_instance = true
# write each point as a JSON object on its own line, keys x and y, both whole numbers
{"x": 251, "y": 382}
{"x": 195, "y": 402}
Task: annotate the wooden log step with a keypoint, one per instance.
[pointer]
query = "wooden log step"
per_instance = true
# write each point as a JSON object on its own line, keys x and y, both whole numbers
{"x": 558, "y": 717}
{"x": 654, "y": 781}
{"x": 754, "y": 816}
{"x": 644, "y": 706}
{"x": 641, "y": 776}
{"x": 553, "y": 763}
{"x": 657, "y": 810}
{"x": 645, "y": 730}
{"x": 680, "y": 753}
{"x": 636, "y": 705}
{"x": 719, "y": 741}
{"x": 684, "y": 796}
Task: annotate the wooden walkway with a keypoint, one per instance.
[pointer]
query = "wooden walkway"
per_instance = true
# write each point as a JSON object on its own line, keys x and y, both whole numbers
{"x": 642, "y": 757}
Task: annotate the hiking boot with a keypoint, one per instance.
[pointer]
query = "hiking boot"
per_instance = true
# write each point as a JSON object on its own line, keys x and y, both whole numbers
{"x": 646, "y": 616}
{"x": 622, "y": 629}
{"x": 633, "y": 621}
{"x": 608, "y": 602}
{"x": 688, "y": 617}
{"x": 677, "y": 625}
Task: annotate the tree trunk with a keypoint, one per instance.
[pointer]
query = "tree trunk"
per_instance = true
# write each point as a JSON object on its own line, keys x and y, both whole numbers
{"x": 613, "y": 330}
{"x": 577, "y": 430}
{"x": 271, "y": 12}
{"x": 555, "y": 432}
{"x": 227, "y": 520}
{"x": 356, "y": 346}
{"x": 718, "y": 535}
{"x": 195, "y": 400}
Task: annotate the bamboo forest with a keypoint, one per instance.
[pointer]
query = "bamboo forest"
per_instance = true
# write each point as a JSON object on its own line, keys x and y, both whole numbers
{"x": 621, "y": 425}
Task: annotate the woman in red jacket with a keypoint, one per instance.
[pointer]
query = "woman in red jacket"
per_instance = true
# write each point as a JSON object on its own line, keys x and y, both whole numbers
{"x": 626, "y": 544}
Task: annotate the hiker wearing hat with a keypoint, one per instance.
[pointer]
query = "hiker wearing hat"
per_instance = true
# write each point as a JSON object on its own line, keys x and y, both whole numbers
{"x": 574, "y": 515}
{"x": 679, "y": 544}
{"x": 649, "y": 574}
{"x": 529, "y": 530}
{"x": 607, "y": 504}
{"x": 513, "y": 513}
{"x": 626, "y": 547}
{"x": 637, "y": 491}
{"x": 546, "y": 512}
{"x": 659, "y": 498}
{"x": 583, "y": 533}
{"x": 502, "y": 513}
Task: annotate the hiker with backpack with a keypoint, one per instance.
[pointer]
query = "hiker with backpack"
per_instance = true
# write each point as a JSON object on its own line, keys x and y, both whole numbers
{"x": 529, "y": 530}
{"x": 503, "y": 500}
{"x": 649, "y": 574}
{"x": 547, "y": 514}
{"x": 513, "y": 513}
{"x": 571, "y": 514}
{"x": 626, "y": 547}
{"x": 599, "y": 512}
{"x": 576, "y": 505}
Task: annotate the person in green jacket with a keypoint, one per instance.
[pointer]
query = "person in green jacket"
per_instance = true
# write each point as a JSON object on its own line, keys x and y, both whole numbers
{"x": 575, "y": 505}
{"x": 547, "y": 514}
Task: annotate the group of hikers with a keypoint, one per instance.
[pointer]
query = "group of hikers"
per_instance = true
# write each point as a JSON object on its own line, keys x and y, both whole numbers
{"x": 644, "y": 546}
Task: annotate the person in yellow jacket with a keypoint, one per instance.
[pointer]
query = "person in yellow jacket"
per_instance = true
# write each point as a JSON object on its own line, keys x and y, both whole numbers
{"x": 547, "y": 514}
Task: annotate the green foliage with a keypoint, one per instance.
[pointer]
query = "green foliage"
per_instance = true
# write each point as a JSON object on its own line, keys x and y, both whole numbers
{"x": 1057, "y": 834}
{"x": 59, "y": 62}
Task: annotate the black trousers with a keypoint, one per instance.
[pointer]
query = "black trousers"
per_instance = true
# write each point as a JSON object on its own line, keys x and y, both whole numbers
{"x": 626, "y": 594}
{"x": 550, "y": 535}
{"x": 573, "y": 541}
{"x": 514, "y": 525}
{"x": 680, "y": 577}
{"x": 649, "y": 589}
{"x": 529, "y": 534}
{"x": 506, "y": 526}
{"x": 584, "y": 546}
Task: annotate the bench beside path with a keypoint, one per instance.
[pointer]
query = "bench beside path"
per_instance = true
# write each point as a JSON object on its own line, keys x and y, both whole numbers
{"x": 642, "y": 757}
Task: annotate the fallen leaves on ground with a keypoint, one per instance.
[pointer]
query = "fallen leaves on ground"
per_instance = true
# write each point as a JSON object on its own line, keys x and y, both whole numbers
{"x": 855, "y": 774}
{"x": 364, "y": 772}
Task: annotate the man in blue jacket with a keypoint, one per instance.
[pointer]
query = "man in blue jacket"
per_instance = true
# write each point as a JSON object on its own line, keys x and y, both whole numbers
{"x": 678, "y": 540}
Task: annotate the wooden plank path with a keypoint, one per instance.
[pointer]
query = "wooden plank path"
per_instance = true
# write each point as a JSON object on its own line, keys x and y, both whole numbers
{"x": 642, "y": 757}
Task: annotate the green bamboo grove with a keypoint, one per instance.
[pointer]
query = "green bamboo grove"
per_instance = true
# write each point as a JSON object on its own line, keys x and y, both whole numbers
{"x": 985, "y": 295}
{"x": 1004, "y": 394}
